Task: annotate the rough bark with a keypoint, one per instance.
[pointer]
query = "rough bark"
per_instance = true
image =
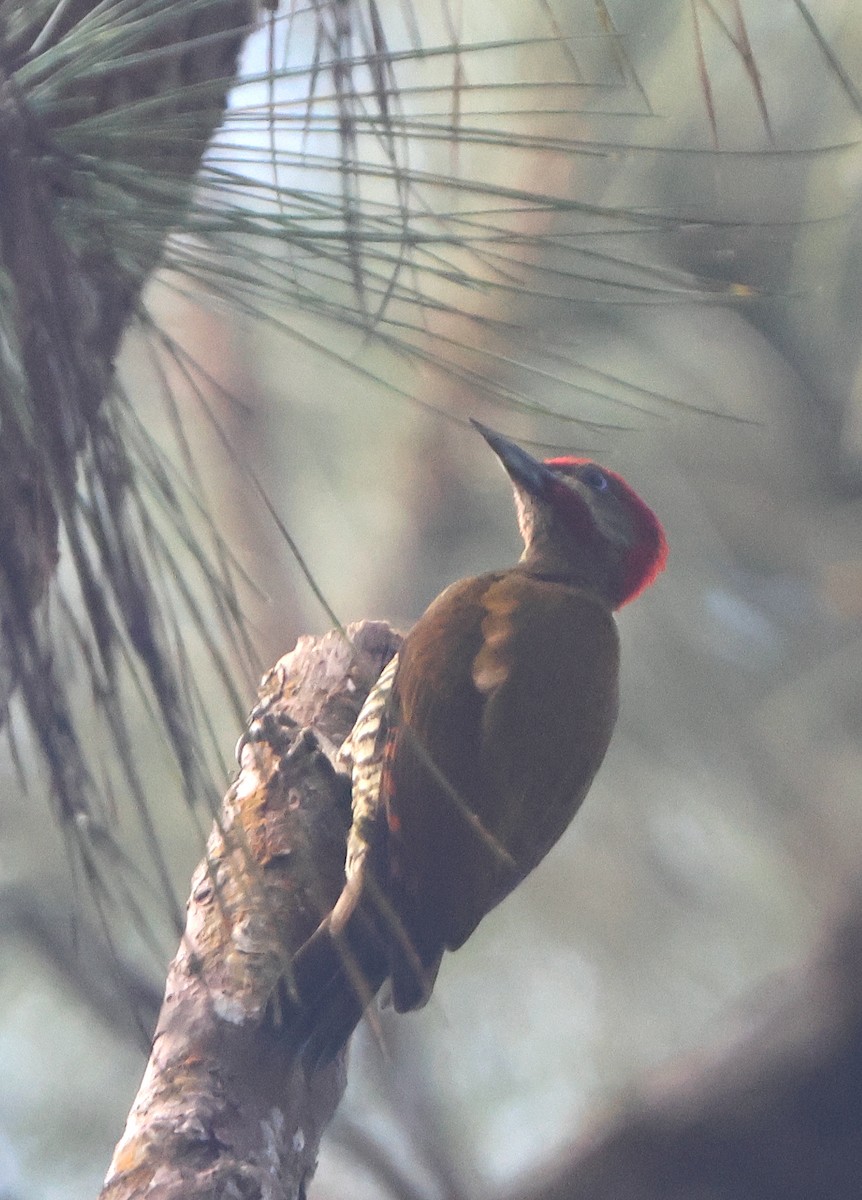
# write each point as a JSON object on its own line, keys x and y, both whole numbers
{"x": 222, "y": 1109}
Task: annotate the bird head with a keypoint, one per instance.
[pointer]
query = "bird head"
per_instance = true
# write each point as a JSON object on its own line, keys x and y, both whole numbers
{"x": 582, "y": 523}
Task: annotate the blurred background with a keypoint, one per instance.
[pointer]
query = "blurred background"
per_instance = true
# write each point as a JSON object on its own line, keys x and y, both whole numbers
{"x": 630, "y": 231}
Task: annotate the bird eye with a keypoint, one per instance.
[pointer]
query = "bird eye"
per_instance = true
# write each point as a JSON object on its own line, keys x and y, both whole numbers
{"x": 595, "y": 479}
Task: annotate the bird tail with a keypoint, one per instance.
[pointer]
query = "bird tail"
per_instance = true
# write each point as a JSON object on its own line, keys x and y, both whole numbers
{"x": 338, "y": 971}
{"x": 333, "y": 978}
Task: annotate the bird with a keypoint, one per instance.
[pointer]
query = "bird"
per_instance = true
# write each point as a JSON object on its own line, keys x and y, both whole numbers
{"x": 479, "y": 741}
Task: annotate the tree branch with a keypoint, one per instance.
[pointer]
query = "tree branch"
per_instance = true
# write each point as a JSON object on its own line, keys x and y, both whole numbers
{"x": 223, "y": 1109}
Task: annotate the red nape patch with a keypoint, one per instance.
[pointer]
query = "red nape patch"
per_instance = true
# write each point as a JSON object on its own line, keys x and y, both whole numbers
{"x": 647, "y": 557}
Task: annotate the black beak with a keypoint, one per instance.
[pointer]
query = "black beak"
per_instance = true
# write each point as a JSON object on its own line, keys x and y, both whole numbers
{"x": 528, "y": 472}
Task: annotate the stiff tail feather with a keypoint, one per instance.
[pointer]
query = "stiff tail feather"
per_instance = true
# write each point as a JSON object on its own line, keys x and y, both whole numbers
{"x": 335, "y": 976}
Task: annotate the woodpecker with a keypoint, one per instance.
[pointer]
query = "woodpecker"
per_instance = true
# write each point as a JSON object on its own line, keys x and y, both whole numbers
{"x": 479, "y": 741}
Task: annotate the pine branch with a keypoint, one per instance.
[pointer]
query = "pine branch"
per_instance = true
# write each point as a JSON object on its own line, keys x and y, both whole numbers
{"x": 68, "y": 287}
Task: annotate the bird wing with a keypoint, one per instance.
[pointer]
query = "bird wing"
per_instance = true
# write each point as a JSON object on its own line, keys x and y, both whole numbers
{"x": 548, "y": 671}
{"x": 507, "y": 692}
